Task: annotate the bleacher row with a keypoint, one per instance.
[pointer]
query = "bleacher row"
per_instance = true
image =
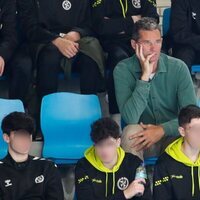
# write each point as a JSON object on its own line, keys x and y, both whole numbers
{"x": 65, "y": 127}
{"x": 165, "y": 30}
{"x": 71, "y": 120}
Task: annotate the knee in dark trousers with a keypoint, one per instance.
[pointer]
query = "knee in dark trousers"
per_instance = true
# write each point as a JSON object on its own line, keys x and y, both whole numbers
{"x": 48, "y": 66}
{"x": 90, "y": 77}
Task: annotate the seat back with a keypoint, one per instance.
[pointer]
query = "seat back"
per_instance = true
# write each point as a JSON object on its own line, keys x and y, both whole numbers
{"x": 65, "y": 122}
{"x": 166, "y": 20}
{"x": 7, "y": 106}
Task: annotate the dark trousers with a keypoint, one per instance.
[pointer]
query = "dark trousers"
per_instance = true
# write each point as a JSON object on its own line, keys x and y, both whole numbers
{"x": 187, "y": 54}
{"x": 19, "y": 70}
{"x": 117, "y": 51}
{"x": 48, "y": 67}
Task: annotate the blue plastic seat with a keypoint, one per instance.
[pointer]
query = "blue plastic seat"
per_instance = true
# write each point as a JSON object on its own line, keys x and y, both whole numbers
{"x": 195, "y": 68}
{"x": 65, "y": 122}
{"x": 7, "y": 106}
{"x": 150, "y": 160}
{"x": 166, "y": 20}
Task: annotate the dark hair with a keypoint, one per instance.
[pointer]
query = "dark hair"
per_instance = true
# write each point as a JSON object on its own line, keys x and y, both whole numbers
{"x": 103, "y": 129}
{"x": 145, "y": 23}
{"x": 187, "y": 114}
{"x": 18, "y": 121}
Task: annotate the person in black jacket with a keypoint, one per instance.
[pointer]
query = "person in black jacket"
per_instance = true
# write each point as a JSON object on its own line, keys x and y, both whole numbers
{"x": 53, "y": 29}
{"x": 15, "y": 62}
{"x": 177, "y": 171}
{"x": 8, "y": 36}
{"x": 107, "y": 172}
{"x": 113, "y": 22}
{"x": 22, "y": 176}
{"x": 185, "y": 30}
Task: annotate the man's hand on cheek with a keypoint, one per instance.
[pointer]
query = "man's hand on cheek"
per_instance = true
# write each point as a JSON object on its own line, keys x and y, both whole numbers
{"x": 146, "y": 65}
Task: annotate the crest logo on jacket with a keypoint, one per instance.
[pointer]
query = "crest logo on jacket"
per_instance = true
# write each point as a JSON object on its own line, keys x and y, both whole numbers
{"x": 39, "y": 179}
{"x": 194, "y": 15}
{"x": 136, "y": 3}
{"x": 122, "y": 183}
{"x": 8, "y": 183}
{"x": 66, "y": 4}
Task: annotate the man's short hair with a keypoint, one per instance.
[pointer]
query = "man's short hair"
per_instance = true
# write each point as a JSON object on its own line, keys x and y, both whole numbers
{"x": 187, "y": 114}
{"x": 18, "y": 121}
{"x": 146, "y": 24}
{"x": 103, "y": 129}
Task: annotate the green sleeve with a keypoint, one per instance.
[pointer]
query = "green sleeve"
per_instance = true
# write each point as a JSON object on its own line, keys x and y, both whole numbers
{"x": 171, "y": 127}
{"x": 131, "y": 93}
{"x": 185, "y": 96}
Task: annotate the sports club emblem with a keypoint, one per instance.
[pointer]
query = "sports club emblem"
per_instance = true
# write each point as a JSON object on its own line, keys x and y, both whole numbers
{"x": 66, "y": 4}
{"x": 136, "y": 3}
{"x": 122, "y": 183}
{"x": 39, "y": 179}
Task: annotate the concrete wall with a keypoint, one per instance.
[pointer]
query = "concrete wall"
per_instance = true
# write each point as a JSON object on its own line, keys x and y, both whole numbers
{"x": 161, "y": 5}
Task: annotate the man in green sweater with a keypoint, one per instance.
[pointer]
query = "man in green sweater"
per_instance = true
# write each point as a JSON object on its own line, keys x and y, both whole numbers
{"x": 151, "y": 88}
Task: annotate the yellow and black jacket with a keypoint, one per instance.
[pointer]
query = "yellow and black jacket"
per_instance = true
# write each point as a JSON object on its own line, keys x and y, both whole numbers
{"x": 96, "y": 182}
{"x": 176, "y": 177}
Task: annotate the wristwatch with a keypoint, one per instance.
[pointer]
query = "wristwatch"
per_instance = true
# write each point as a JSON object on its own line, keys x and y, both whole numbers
{"x": 62, "y": 35}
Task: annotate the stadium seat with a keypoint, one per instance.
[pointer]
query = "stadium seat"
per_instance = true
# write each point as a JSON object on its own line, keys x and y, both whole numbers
{"x": 195, "y": 68}
{"x": 65, "y": 124}
{"x": 166, "y": 20}
{"x": 7, "y": 106}
{"x": 150, "y": 160}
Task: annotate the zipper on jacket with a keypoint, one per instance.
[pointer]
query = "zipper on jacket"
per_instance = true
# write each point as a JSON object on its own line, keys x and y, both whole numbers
{"x": 38, "y": 4}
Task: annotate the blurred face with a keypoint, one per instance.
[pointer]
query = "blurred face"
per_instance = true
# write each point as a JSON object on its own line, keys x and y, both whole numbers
{"x": 151, "y": 42}
{"x": 19, "y": 141}
{"x": 106, "y": 150}
{"x": 191, "y": 133}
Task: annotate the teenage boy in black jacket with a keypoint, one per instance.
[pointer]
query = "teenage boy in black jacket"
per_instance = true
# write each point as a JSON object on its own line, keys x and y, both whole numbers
{"x": 107, "y": 172}
{"x": 53, "y": 29}
{"x": 113, "y": 23}
{"x": 24, "y": 177}
{"x": 177, "y": 172}
{"x": 185, "y": 30}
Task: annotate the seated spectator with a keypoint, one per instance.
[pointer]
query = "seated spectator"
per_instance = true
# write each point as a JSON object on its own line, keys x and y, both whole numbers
{"x": 15, "y": 64}
{"x": 20, "y": 68}
{"x": 56, "y": 31}
{"x": 151, "y": 88}
{"x": 185, "y": 30}
{"x": 8, "y": 35}
{"x": 113, "y": 22}
{"x": 106, "y": 171}
{"x": 23, "y": 176}
{"x": 176, "y": 174}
